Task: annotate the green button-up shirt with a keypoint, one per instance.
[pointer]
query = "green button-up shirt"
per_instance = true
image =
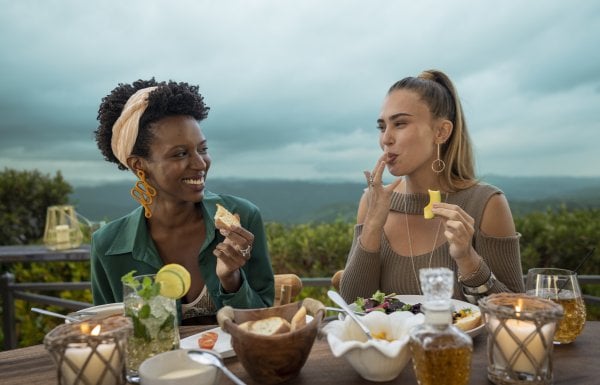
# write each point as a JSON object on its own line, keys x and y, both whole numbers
{"x": 125, "y": 244}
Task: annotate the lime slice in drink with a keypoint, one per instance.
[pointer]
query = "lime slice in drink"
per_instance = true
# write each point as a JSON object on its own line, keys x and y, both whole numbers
{"x": 174, "y": 281}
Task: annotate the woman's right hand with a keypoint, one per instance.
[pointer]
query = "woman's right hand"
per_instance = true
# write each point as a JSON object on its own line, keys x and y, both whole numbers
{"x": 378, "y": 198}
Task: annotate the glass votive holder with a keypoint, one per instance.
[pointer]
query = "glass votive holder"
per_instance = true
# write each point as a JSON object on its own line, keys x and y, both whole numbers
{"x": 90, "y": 352}
{"x": 520, "y": 333}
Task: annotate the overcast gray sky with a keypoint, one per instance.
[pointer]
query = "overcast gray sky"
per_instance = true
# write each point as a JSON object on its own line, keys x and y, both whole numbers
{"x": 295, "y": 86}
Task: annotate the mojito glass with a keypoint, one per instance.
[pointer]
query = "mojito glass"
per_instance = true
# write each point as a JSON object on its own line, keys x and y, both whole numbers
{"x": 154, "y": 319}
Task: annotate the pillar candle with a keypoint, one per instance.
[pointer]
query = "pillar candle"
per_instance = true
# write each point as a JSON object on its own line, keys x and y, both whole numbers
{"x": 507, "y": 344}
{"x": 62, "y": 234}
{"x": 88, "y": 365}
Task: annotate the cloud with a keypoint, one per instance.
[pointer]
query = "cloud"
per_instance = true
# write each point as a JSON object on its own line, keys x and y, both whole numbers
{"x": 295, "y": 87}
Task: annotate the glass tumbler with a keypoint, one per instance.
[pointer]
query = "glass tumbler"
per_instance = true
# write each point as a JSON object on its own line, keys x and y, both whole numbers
{"x": 562, "y": 287}
{"x": 154, "y": 319}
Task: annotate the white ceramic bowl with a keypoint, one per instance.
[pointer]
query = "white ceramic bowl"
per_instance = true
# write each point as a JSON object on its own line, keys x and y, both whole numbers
{"x": 175, "y": 368}
{"x": 378, "y": 359}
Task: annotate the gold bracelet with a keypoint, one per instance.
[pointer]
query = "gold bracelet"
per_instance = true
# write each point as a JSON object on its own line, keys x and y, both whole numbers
{"x": 472, "y": 274}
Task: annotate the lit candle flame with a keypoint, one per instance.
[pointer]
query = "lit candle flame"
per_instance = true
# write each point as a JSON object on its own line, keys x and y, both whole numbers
{"x": 85, "y": 329}
{"x": 96, "y": 330}
{"x": 519, "y": 307}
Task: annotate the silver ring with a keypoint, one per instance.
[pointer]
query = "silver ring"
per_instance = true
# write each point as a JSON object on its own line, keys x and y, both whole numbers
{"x": 371, "y": 181}
{"x": 246, "y": 251}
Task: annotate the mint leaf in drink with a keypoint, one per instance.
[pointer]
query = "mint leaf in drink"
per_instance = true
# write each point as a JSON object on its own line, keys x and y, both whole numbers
{"x": 144, "y": 311}
{"x": 146, "y": 289}
{"x": 149, "y": 289}
{"x": 130, "y": 281}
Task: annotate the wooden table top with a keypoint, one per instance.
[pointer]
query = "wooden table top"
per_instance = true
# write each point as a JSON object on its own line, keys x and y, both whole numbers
{"x": 574, "y": 364}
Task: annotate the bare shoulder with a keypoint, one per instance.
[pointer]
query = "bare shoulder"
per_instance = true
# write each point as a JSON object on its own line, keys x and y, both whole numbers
{"x": 497, "y": 220}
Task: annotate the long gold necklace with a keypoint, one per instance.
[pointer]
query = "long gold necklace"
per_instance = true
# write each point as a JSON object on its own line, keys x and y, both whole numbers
{"x": 437, "y": 233}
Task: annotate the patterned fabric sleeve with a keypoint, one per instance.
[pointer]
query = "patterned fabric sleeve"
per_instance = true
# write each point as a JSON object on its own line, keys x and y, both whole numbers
{"x": 361, "y": 274}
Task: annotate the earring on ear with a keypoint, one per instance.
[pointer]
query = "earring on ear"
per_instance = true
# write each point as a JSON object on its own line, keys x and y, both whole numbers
{"x": 438, "y": 165}
{"x": 143, "y": 193}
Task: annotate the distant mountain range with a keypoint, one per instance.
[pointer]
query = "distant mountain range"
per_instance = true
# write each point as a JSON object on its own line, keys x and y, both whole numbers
{"x": 315, "y": 201}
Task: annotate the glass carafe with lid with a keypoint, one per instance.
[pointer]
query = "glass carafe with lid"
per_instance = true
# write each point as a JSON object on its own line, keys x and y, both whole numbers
{"x": 441, "y": 353}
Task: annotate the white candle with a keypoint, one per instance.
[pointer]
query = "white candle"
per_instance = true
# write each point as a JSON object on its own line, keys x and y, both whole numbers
{"x": 508, "y": 346}
{"x": 62, "y": 234}
{"x": 78, "y": 354}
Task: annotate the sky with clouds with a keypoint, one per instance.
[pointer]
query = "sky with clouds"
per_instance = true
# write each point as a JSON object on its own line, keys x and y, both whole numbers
{"x": 295, "y": 86}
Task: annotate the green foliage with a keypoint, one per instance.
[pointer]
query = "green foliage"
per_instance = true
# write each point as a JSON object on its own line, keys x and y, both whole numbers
{"x": 309, "y": 250}
{"x": 560, "y": 238}
{"x": 32, "y": 327}
{"x": 24, "y": 198}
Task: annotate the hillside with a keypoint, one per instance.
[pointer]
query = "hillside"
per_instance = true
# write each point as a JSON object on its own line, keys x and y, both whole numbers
{"x": 306, "y": 201}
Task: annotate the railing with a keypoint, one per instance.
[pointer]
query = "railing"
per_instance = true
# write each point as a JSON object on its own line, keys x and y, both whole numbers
{"x": 10, "y": 290}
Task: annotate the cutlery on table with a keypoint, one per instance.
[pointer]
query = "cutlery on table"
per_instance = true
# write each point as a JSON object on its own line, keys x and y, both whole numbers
{"x": 335, "y": 297}
{"x": 53, "y": 314}
{"x": 209, "y": 359}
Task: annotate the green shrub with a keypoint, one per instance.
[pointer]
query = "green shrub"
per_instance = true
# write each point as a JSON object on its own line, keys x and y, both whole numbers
{"x": 560, "y": 238}
{"x": 24, "y": 199}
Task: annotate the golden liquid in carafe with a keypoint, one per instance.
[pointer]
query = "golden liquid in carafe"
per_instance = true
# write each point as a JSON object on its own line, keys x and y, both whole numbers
{"x": 443, "y": 362}
{"x": 571, "y": 325}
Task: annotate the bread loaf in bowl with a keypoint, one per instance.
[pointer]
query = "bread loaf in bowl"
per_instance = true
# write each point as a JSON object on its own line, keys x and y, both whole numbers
{"x": 274, "y": 357}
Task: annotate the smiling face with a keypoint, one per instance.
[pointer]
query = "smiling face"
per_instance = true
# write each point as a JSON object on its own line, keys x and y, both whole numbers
{"x": 407, "y": 133}
{"x": 179, "y": 160}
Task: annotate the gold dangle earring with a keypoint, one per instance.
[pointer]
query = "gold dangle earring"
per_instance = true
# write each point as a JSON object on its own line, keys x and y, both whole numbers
{"x": 438, "y": 165}
{"x": 143, "y": 193}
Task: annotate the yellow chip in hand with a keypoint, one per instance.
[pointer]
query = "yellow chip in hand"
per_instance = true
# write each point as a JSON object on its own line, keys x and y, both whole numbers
{"x": 174, "y": 280}
{"x": 434, "y": 197}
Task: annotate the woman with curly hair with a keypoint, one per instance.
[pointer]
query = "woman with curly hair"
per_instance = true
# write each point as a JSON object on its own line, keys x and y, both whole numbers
{"x": 152, "y": 129}
{"x": 425, "y": 146}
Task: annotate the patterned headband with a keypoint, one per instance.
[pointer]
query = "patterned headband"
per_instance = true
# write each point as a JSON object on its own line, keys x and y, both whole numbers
{"x": 125, "y": 129}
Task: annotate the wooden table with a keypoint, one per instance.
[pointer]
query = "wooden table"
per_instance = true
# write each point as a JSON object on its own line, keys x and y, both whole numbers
{"x": 574, "y": 364}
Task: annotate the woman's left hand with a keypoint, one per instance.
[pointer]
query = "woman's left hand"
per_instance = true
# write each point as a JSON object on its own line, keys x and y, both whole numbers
{"x": 458, "y": 229}
{"x": 232, "y": 254}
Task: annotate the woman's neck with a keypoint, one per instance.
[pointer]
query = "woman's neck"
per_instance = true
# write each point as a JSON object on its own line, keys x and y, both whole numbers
{"x": 176, "y": 215}
{"x": 420, "y": 185}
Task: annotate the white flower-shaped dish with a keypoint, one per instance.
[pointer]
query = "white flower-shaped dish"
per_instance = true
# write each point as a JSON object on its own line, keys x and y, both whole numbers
{"x": 377, "y": 359}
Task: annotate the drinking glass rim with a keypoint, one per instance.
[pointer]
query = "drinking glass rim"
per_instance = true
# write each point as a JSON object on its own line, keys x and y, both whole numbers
{"x": 551, "y": 271}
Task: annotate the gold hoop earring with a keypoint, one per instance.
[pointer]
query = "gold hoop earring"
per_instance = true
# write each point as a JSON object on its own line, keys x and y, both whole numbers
{"x": 143, "y": 193}
{"x": 438, "y": 165}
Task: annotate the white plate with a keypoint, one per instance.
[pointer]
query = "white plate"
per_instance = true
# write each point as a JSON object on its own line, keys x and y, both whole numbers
{"x": 413, "y": 299}
{"x": 101, "y": 311}
{"x": 223, "y": 345}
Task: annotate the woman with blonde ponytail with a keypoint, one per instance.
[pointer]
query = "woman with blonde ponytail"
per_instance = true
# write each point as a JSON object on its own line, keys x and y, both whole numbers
{"x": 426, "y": 146}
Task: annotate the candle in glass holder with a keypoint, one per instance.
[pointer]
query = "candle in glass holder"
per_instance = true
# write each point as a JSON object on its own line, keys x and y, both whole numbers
{"x": 85, "y": 357}
{"x": 80, "y": 360}
{"x": 519, "y": 339}
{"x": 62, "y": 234}
{"x": 520, "y": 332}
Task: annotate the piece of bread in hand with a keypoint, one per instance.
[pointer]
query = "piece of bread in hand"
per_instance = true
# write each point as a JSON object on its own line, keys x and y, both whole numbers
{"x": 299, "y": 319}
{"x": 224, "y": 219}
{"x": 465, "y": 319}
{"x": 267, "y": 327}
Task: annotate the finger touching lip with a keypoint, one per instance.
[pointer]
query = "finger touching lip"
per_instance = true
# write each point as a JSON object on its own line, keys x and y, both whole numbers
{"x": 391, "y": 157}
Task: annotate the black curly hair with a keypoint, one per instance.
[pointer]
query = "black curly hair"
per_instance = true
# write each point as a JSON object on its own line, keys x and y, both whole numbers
{"x": 170, "y": 98}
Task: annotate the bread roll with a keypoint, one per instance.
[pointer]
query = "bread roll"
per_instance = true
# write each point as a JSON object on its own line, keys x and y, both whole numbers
{"x": 299, "y": 319}
{"x": 267, "y": 327}
{"x": 224, "y": 219}
{"x": 467, "y": 320}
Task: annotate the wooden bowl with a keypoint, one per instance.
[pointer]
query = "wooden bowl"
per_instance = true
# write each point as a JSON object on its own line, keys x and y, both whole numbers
{"x": 277, "y": 358}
